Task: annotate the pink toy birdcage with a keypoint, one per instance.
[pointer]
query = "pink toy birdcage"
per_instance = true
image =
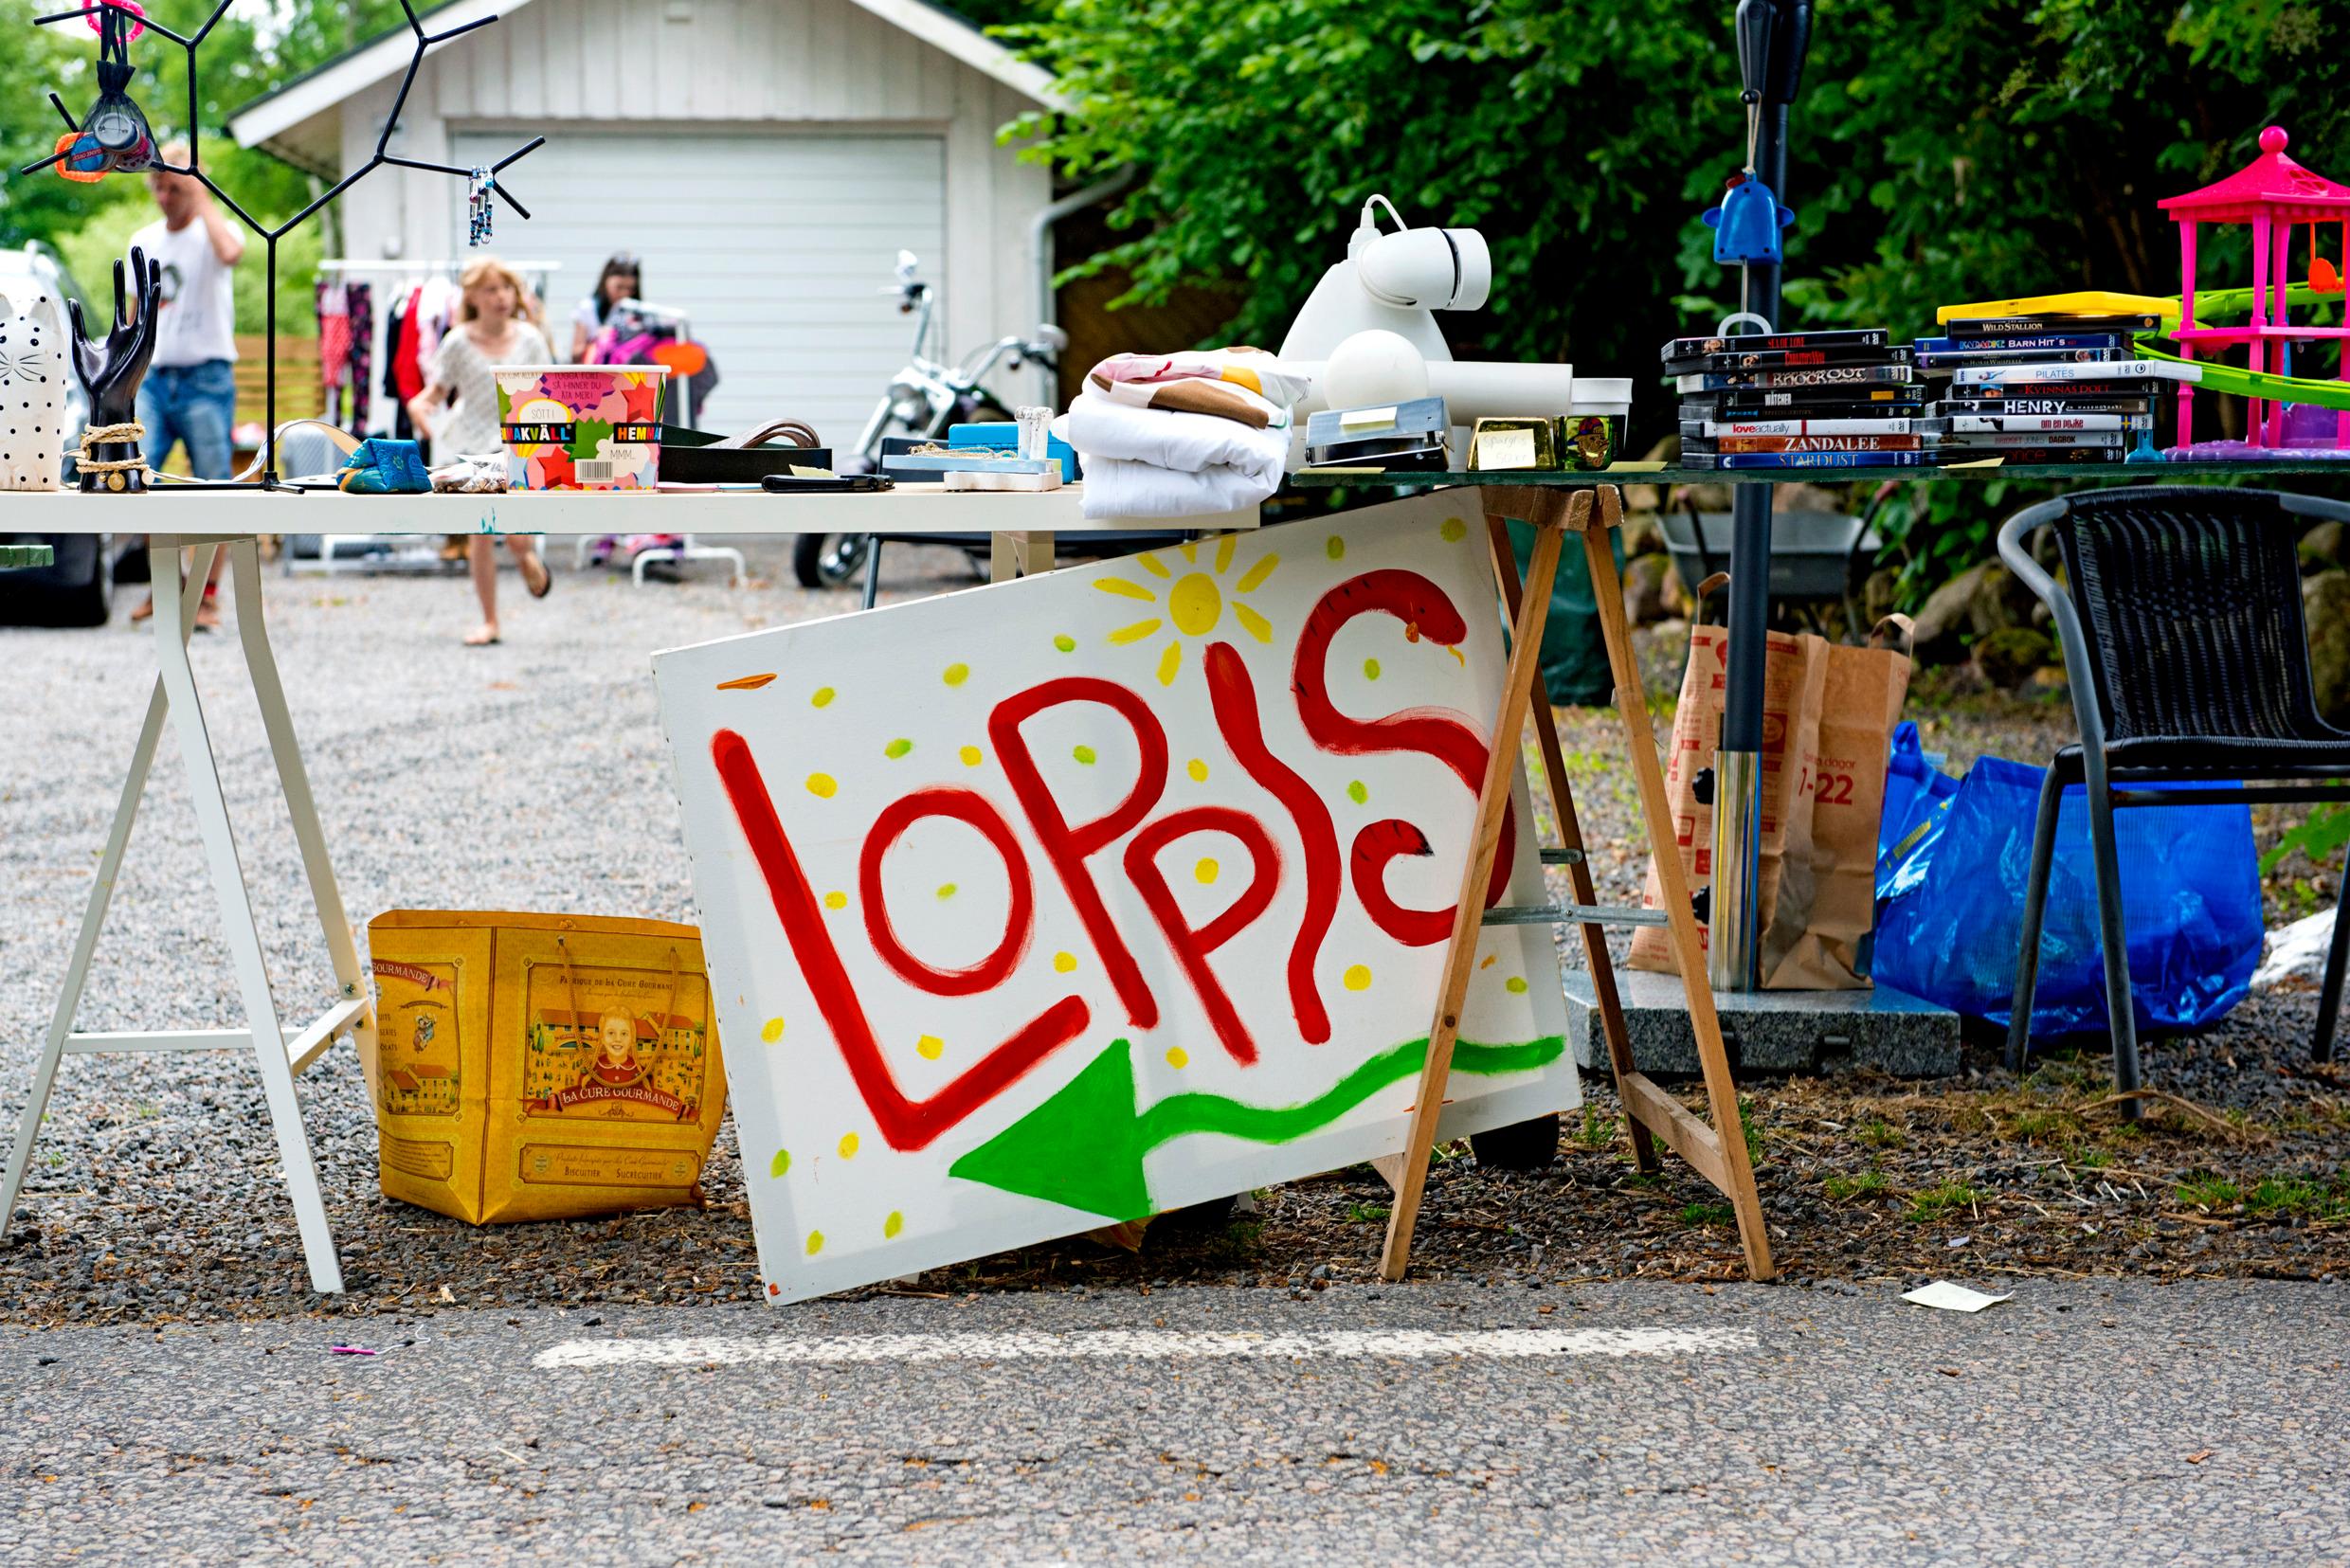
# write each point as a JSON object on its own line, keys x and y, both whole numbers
{"x": 2273, "y": 194}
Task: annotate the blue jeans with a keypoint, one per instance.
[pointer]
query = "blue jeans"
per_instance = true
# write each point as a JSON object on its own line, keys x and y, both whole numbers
{"x": 192, "y": 404}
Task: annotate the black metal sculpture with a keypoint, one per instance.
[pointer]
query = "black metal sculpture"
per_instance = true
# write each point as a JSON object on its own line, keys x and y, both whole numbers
{"x": 119, "y": 16}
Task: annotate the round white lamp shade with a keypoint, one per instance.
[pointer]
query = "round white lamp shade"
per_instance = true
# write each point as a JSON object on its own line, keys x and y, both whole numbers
{"x": 1373, "y": 368}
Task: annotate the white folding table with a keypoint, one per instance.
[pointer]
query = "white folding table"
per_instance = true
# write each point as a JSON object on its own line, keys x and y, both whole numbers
{"x": 1021, "y": 526}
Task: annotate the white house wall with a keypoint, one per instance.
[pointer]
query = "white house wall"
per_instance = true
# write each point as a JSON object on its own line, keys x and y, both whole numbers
{"x": 783, "y": 65}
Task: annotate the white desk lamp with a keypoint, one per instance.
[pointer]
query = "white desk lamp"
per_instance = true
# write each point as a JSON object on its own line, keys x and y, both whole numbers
{"x": 1393, "y": 285}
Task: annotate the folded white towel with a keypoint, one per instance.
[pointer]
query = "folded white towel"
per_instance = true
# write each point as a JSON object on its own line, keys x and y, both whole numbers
{"x": 1157, "y": 462}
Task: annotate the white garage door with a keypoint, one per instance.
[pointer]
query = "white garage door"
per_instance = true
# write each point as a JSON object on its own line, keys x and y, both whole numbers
{"x": 778, "y": 247}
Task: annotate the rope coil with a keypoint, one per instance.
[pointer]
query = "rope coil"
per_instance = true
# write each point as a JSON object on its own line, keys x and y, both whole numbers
{"x": 103, "y": 435}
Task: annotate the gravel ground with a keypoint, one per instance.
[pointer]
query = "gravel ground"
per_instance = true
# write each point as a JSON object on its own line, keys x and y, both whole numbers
{"x": 533, "y": 775}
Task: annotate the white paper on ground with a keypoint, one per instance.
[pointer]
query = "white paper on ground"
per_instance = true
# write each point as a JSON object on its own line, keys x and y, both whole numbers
{"x": 1953, "y": 1298}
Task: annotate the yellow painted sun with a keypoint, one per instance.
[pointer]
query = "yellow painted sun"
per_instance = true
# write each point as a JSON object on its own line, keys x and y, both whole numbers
{"x": 1193, "y": 600}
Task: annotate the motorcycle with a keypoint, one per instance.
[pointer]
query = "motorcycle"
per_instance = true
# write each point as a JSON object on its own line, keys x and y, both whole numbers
{"x": 926, "y": 398}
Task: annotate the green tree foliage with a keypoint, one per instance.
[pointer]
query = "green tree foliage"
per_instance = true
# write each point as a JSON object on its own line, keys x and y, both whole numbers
{"x": 2000, "y": 148}
{"x": 253, "y": 49}
{"x": 1939, "y": 153}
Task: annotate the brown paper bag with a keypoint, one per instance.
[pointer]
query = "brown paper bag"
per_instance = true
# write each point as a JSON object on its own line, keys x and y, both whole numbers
{"x": 1814, "y": 884}
{"x": 1812, "y": 943}
{"x": 542, "y": 1066}
{"x": 1790, "y": 720}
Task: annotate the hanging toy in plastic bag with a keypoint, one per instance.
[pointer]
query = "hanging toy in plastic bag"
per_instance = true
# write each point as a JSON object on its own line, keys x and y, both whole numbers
{"x": 478, "y": 189}
{"x": 115, "y": 123}
{"x": 1746, "y": 226}
{"x": 81, "y": 160}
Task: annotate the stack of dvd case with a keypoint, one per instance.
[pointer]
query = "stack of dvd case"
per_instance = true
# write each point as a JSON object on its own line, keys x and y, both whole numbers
{"x": 1842, "y": 399}
{"x": 2045, "y": 388}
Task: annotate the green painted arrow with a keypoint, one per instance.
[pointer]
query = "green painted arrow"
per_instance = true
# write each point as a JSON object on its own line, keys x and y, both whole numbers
{"x": 1084, "y": 1146}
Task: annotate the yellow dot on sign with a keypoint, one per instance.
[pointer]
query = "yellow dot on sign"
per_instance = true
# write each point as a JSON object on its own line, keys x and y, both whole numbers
{"x": 1084, "y": 754}
{"x": 972, "y": 756}
{"x": 848, "y": 1145}
{"x": 1358, "y": 977}
{"x": 946, "y": 889}
{"x": 1207, "y": 871}
{"x": 772, "y": 1031}
{"x": 1064, "y": 963}
{"x": 836, "y": 900}
{"x": 890, "y": 1226}
{"x": 1336, "y": 548}
{"x": 898, "y": 748}
{"x": 1177, "y": 1057}
{"x": 930, "y": 1048}
{"x": 1358, "y": 792}
{"x": 815, "y": 1242}
{"x": 1065, "y": 643}
{"x": 822, "y": 786}
{"x": 781, "y": 1163}
{"x": 822, "y": 698}
{"x": 1370, "y": 669}
{"x": 1454, "y": 530}
{"x": 1198, "y": 771}
{"x": 1196, "y": 603}
{"x": 1515, "y": 985}
{"x": 956, "y": 675}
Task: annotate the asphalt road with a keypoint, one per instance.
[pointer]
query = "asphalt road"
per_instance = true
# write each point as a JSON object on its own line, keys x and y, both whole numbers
{"x": 2079, "y": 1422}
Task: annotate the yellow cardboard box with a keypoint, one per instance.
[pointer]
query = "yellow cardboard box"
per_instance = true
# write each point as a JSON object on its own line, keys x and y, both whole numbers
{"x": 542, "y": 1066}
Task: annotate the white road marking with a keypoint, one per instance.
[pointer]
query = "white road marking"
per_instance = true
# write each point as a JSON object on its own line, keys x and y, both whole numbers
{"x": 1141, "y": 1344}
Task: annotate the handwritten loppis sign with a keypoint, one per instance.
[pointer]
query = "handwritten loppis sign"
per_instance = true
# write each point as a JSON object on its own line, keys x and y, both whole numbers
{"x": 1099, "y": 893}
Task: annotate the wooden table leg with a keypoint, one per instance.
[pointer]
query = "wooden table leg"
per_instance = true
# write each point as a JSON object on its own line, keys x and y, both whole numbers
{"x": 1595, "y": 515}
{"x": 1597, "y": 958}
{"x": 1501, "y": 764}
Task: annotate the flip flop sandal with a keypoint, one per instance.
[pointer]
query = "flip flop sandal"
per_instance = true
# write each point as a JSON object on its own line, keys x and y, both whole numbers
{"x": 474, "y": 640}
{"x": 539, "y": 579}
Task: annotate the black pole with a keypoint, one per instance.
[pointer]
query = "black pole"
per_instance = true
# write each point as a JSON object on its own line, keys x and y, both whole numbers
{"x": 1773, "y": 37}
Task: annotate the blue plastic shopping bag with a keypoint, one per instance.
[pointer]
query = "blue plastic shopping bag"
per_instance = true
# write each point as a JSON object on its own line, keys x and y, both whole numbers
{"x": 1950, "y": 906}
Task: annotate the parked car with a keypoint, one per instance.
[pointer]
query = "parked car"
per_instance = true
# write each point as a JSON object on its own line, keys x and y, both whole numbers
{"x": 77, "y": 587}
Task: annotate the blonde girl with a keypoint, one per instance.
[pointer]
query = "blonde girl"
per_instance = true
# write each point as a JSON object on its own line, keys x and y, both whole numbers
{"x": 498, "y": 324}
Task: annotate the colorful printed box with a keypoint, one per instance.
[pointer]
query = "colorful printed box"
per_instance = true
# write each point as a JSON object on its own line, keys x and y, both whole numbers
{"x": 581, "y": 427}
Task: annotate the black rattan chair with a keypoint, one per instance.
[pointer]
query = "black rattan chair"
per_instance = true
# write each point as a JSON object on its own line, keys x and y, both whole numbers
{"x": 2189, "y": 663}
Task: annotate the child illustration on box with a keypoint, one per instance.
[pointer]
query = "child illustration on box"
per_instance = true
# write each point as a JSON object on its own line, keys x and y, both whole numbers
{"x": 616, "y": 1063}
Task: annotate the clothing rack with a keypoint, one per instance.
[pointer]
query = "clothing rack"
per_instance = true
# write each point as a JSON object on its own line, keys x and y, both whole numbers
{"x": 368, "y": 552}
{"x": 419, "y": 269}
{"x": 381, "y": 411}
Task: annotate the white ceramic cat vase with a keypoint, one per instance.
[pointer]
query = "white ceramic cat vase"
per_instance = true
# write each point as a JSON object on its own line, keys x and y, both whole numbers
{"x": 34, "y": 384}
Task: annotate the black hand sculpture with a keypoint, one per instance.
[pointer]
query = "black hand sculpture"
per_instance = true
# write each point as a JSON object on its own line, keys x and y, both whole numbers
{"x": 110, "y": 372}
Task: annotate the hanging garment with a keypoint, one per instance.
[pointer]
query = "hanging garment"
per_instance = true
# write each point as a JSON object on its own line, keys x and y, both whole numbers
{"x": 334, "y": 345}
{"x": 359, "y": 310}
{"x": 398, "y": 326}
{"x": 404, "y": 377}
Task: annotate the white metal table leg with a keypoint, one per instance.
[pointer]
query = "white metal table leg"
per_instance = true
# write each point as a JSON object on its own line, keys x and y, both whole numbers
{"x": 245, "y": 942}
{"x": 93, "y": 920}
{"x": 294, "y": 780}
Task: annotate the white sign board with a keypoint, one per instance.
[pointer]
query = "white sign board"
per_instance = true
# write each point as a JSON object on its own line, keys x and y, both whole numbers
{"x": 1099, "y": 893}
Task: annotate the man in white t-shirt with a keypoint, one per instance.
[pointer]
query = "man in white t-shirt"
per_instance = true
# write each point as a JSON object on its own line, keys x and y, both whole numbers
{"x": 190, "y": 393}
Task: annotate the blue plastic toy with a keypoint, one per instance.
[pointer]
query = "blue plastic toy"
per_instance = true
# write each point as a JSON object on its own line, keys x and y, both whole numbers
{"x": 1746, "y": 226}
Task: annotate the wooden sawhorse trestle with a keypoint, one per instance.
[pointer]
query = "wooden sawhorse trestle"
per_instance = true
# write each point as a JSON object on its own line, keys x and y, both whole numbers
{"x": 1718, "y": 1152}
